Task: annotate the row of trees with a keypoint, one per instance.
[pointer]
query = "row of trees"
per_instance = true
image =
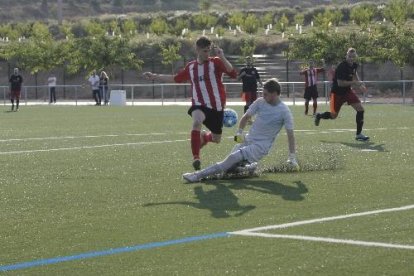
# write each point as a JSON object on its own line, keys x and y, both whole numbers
{"x": 116, "y": 43}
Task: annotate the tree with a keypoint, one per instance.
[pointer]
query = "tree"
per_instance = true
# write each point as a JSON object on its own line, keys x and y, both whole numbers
{"x": 129, "y": 27}
{"x": 236, "y": 19}
{"x": 170, "y": 54}
{"x": 398, "y": 11}
{"x": 36, "y": 53}
{"x": 179, "y": 26}
{"x": 251, "y": 24}
{"x": 362, "y": 15}
{"x": 327, "y": 19}
{"x": 267, "y": 18}
{"x": 204, "y": 21}
{"x": 397, "y": 47}
{"x": 318, "y": 45}
{"x": 247, "y": 49}
{"x": 9, "y": 32}
{"x": 299, "y": 19}
{"x": 159, "y": 26}
{"x": 282, "y": 23}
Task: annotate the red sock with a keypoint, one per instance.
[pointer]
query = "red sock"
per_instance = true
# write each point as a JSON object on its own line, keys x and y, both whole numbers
{"x": 207, "y": 137}
{"x": 195, "y": 143}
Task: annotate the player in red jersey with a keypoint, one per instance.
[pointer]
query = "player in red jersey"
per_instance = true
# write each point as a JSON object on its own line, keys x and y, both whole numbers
{"x": 208, "y": 95}
{"x": 311, "y": 90}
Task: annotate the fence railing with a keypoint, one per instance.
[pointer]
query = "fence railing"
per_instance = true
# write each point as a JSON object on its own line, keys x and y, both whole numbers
{"x": 377, "y": 92}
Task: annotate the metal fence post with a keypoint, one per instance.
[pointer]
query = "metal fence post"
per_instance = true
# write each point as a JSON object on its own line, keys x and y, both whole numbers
{"x": 132, "y": 95}
{"x": 403, "y": 91}
{"x": 25, "y": 96}
{"x": 162, "y": 95}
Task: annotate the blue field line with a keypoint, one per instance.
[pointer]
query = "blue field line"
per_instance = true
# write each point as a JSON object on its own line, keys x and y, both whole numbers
{"x": 113, "y": 251}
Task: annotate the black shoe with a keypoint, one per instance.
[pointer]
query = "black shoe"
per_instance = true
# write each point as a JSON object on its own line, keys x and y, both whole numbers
{"x": 196, "y": 164}
{"x": 361, "y": 137}
{"x": 317, "y": 119}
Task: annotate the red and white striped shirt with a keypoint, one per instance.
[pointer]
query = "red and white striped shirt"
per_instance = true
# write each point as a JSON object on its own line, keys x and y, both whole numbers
{"x": 311, "y": 75}
{"x": 207, "y": 87}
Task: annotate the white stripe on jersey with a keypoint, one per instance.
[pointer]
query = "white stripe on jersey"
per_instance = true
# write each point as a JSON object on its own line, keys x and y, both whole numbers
{"x": 214, "y": 86}
{"x": 203, "y": 87}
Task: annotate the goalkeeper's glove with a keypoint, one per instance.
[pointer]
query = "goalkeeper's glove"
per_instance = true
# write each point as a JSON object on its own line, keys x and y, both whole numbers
{"x": 292, "y": 162}
{"x": 239, "y": 137}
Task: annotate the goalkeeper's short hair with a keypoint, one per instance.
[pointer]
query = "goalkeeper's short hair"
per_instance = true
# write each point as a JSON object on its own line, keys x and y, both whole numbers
{"x": 272, "y": 85}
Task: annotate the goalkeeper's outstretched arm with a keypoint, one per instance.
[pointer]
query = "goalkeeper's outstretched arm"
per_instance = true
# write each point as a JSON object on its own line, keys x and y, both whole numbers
{"x": 291, "y": 141}
{"x": 239, "y": 137}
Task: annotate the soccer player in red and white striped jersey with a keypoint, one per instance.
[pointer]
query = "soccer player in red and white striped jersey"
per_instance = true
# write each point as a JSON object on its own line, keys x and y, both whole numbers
{"x": 208, "y": 95}
{"x": 311, "y": 90}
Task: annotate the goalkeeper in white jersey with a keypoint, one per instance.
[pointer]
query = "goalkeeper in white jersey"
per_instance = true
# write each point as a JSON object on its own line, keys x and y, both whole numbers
{"x": 271, "y": 115}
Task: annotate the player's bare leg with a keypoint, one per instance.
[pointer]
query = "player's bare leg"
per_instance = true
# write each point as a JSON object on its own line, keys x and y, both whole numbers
{"x": 198, "y": 118}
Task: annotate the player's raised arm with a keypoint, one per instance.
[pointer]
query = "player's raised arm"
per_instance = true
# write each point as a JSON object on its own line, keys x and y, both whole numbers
{"x": 158, "y": 77}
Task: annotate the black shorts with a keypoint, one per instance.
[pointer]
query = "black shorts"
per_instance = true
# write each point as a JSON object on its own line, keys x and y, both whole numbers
{"x": 311, "y": 92}
{"x": 214, "y": 118}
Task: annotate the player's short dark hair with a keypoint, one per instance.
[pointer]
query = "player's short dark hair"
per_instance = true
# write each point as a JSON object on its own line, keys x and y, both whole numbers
{"x": 272, "y": 86}
{"x": 203, "y": 42}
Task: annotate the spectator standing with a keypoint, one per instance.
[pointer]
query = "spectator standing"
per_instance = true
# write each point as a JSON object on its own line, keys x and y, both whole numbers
{"x": 51, "y": 81}
{"x": 103, "y": 87}
{"x": 16, "y": 81}
{"x": 94, "y": 82}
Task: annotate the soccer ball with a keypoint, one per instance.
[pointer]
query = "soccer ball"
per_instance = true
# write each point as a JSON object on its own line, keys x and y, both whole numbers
{"x": 230, "y": 117}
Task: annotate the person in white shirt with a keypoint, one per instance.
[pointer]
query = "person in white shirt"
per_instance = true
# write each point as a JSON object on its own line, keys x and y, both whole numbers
{"x": 51, "y": 81}
{"x": 94, "y": 81}
{"x": 271, "y": 115}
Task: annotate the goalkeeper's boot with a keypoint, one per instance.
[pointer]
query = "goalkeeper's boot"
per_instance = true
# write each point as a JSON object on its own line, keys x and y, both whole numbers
{"x": 247, "y": 168}
{"x": 197, "y": 164}
{"x": 251, "y": 168}
{"x": 361, "y": 137}
{"x": 191, "y": 177}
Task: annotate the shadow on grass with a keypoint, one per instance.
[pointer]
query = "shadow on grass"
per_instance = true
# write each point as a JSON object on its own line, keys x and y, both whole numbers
{"x": 223, "y": 203}
{"x": 294, "y": 193}
{"x": 367, "y": 146}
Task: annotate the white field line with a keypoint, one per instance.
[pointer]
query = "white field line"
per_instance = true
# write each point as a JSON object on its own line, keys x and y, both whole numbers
{"x": 160, "y": 134}
{"x": 254, "y": 231}
{"x": 78, "y": 137}
{"x": 92, "y": 147}
{"x": 329, "y": 240}
{"x": 130, "y": 144}
{"x": 319, "y": 220}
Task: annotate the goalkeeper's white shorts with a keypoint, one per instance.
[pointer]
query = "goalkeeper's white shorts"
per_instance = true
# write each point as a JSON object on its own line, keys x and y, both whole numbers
{"x": 251, "y": 152}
